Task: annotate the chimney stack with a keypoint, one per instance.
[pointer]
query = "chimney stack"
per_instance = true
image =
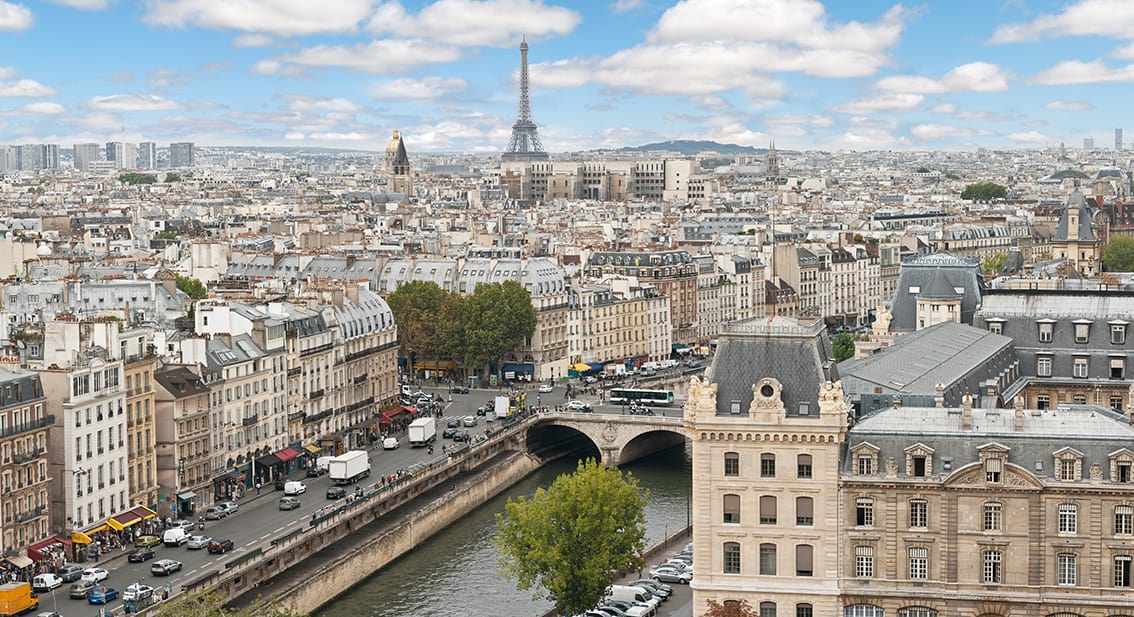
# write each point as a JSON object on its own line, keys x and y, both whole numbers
{"x": 939, "y": 398}
{"x": 967, "y": 412}
{"x": 1019, "y": 422}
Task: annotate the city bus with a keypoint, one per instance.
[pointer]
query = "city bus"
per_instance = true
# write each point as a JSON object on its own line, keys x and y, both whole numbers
{"x": 625, "y": 396}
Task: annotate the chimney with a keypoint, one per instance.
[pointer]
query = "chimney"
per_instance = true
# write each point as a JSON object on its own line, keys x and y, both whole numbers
{"x": 1019, "y": 422}
{"x": 939, "y": 397}
{"x": 967, "y": 412}
{"x": 897, "y": 402}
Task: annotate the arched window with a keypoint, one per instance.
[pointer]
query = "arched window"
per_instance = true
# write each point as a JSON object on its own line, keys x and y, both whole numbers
{"x": 732, "y": 558}
{"x": 767, "y": 609}
{"x": 804, "y": 610}
{"x": 917, "y": 611}
{"x": 863, "y": 610}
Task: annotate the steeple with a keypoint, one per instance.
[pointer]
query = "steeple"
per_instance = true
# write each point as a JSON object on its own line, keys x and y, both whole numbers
{"x": 524, "y": 144}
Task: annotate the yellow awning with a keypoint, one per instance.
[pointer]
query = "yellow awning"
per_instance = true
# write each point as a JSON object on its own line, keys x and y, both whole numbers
{"x": 79, "y": 537}
{"x": 579, "y": 368}
{"x": 313, "y": 449}
{"x": 136, "y": 514}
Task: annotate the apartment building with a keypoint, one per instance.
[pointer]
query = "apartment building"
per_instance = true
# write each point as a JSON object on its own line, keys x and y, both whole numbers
{"x": 24, "y": 426}
{"x": 606, "y": 327}
{"x": 138, "y": 366}
{"x": 183, "y": 410}
{"x": 674, "y": 274}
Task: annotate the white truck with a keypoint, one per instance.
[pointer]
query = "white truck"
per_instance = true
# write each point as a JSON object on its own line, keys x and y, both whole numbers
{"x": 348, "y": 467}
{"x": 500, "y": 407}
{"x": 422, "y": 432}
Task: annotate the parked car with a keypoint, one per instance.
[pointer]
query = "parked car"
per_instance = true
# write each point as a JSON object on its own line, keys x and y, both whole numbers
{"x": 102, "y": 595}
{"x": 667, "y": 574}
{"x": 215, "y": 513}
{"x": 164, "y": 567}
{"x": 199, "y": 542}
{"x": 70, "y": 573}
{"x": 486, "y": 408}
{"x": 46, "y": 582}
{"x": 230, "y": 506}
{"x": 693, "y": 364}
{"x": 315, "y": 471}
{"x": 220, "y": 545}
{"x": 139, "y": 555}
{"x": 462, "y": 436}
{"x": 81, "y": 589}
{"x": 289, "y": 503}
{"x": 453, "y": 423}
{"x": 469, "y": 421}
{"x": 294, "y": 487}
{"x": 95, "y": 575}
{"x": 184, "y": 524}
{"x": 660, "y": 590}
{"x": 544, "y": 388}
{"x": 336, "y": 492}
{"x": 459, "y": 390}
{"x": 137, "y": 591}
{"x": 390, "y": 443}
{"x": 577, "y": 405}
{"x": 591, "y": 379}
{"x": 147, "y": 541}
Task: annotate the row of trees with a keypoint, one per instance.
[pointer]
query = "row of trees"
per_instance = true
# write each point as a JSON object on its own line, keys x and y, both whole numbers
{"x": 984, "y": 191}
{"x": 473, "y": 330}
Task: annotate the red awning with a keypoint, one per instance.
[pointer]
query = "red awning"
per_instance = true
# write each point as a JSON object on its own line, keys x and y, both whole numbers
{"x": 286, "y": 454}
{"x": 134, "y": 515}
{"x": 35, "y": 551}
{"x": 389, "y": 416}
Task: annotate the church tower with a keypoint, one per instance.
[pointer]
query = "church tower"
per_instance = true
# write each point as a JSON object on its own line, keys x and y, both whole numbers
{"x": 398, "y": 177}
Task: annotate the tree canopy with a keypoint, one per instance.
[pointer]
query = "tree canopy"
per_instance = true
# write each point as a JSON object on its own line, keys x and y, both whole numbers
{"x": 192, "y": 287}
{"x": 984, "y": 191}
{"x": 417, "y": 307}
{"x": 994, "y": 263}
{"x": 843, "y": 345}
{"x": 1118, "y": 255}
{"x": 172, "y": 177}
{"x": 133, "y": 177}
{"x": 569, "y": 538}
{"x": 729, "y": 608}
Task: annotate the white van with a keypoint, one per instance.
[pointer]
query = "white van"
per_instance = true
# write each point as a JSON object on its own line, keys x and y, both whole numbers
{"x": 294, "y": 487}
{"x": 627, "y": 593}
{"x": 175, "y": 536}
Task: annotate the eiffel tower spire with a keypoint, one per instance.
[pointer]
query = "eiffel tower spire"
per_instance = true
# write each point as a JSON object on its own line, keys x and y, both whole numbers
{"x": 524, "y": 144}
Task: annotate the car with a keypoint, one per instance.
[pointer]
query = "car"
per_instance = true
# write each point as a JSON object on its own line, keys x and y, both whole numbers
{"x": 660, "y": 590}
{"x": 230, "y": 506}
{"x": 279, "y": 483}
{"x": 48, "y": 614}
{"x": 315, "y": 471}
{"x": 137, "y": 591}
{"x": 102, "y": 595}
{"x": 147, "y": 541}
{"x": 164, "y": 567}
{"x": 577, "y": 405}
{"x": 693, "y": 364}
{"x": 289, "y": 503}
{"x": 486, "y": 408}
{"x": 462, "y": 436}
{"x": 95, "y": 575}
{"x": 611, "y": 611}
{"x": 449, "y": 433}
{"x": 544, "y": 388}
{"x": 220, "y": 545}
{"x": 453, "y": 423}
{"x": 46, "y": 582}
{"x": 636, "y": 609}
{"x": 184, "y": 524}
{"x": 459, "y": 390}
{"x": 70, "y": 573}
{"x": 469, "y": 421}
{"x": 199, "y": 542}
{"x": 294, "y": 487}
{"x": 215, "y": 513}
{"x": 139, "y": 555}
{"x": 81, "y": 589}
{"x": 336, "y": 492}
{"x": 591, "y": 379}
{"x": 665, "y": 574}
{"x": 390, "y": 443}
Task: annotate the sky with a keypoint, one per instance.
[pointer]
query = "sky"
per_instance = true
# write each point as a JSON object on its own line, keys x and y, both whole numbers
{"x": 833, "y": 75}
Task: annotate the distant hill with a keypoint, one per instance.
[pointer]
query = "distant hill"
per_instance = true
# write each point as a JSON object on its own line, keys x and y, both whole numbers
{"x": 691, "y": 146}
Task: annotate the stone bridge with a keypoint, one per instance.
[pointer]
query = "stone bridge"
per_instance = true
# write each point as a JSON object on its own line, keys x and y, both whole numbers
{"x": 618, "y": 439}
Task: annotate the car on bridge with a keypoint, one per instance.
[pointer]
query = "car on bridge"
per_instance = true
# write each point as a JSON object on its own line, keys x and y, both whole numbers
{"x": 450, "y": 432}
{"x": 220, "y": 545}
{"x": 469, "y": 421}
{"x": 453, "y": 423}
{"x": 136, "y": 592}
{"x": 165, "y": 567}
{"x": 199, "y": 542}
{"x": 139, "y": 555}
{"x": 102, "y": 595}
{"x": 577, "y": 405}
{"x": 289, "y": 503}
{"x": 336, "y": 492}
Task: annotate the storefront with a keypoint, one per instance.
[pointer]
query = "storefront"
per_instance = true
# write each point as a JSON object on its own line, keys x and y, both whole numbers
{"x": 185, "y": 505}
{"x": 129, "y": 518}
{"x": 49, "y": 549}
{"x": 289, "y": 460}
{"x": 517, "y": 372}
{"x": 266, "y": 469}
{"x": 229, "y": 484}
{"x": 17, "y": 568}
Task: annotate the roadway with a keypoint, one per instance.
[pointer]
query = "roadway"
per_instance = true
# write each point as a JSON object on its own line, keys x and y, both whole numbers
{"x": 259, "y": 518}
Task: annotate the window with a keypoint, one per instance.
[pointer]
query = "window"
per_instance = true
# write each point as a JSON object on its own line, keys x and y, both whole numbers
{"x": 768, "y": 559}
{"x": 865, "y": 464}
{"x": 1043, "y": 401}
{"x": 731, "y": 464}
{"x": 1079, "y": 368}
{"x": 803, "y": 466}
{"x": 1068, "y": 518}
{"x": 732, "y": 558}
{"x": 804, "y": 511}
{"x": 1122, "y": 570}
{"x": 917, "y": 611}
{"x": 919, "y": 513}
{"x": 992, "y": 470}
{"x": 1067, "y": 470}
{"x": 767, "y": 609}
{"x": 993, "y": 516}
{"x": 919, "y": 466}
{"x": 991, "y": 571}
{"x": 1067, "y": 568}
{"x": 1124, "y": 520}
{"x": 1045, "y": 330}
{"x": 1122, "y": 472}
{"x": 1116, "y": 403}
{"x": 1082, "y": 332}
{"x": 804, "y": 560}
{"x": 767, "y": 465}
{"x": 804, "y": 610}
{"x": 863, "y": 610}
{"x": 864, "y": 512}
{"x": 996, "y": 327}
{"x": 919, "y": 563}
{"x": 1117, "y": 368}
{"x": 1043, "y": 366}
{"x": 732, "y": 508}
{"x": 1117, "y": 334}
{"x": 767, "y": 510}
{"x": 864, "y": 561}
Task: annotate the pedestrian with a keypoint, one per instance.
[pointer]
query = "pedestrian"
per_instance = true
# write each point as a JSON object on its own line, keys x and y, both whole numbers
{"x": 258, "y": 488}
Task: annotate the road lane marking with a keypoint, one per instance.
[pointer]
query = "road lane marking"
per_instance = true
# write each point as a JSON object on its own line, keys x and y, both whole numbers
{"x": 289, "y": 524}
{"x": 265, "y": 536}
{"x": 278, "y": 530}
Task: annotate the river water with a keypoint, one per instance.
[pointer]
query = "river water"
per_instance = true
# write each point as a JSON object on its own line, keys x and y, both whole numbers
{"x": 456, "y": 572}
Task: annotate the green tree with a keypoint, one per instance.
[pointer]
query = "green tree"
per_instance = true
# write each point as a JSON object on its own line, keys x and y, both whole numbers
{"x": 1118, "y": 255}
{"x": 192, "y": 287}
{"x": 984, "y": 191}
{"x": 994, "y": 263}
{"x": 172, "y": 177}
{"x": 212, "y": 604}
{"x": 569, "y": 538}
{"x": 417, "y": 309}
{"x": 497, "y": 318}
{"x": 730, "y": 608}
{"x": 137, "y": 178}
{"x": 843, "y": 345}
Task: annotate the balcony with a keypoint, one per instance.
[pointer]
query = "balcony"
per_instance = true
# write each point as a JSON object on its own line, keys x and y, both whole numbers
{"x": 17, "y": 429}
{"x": 361, "y": 378}
{"x": 250, "y": 420}
{"x": 317, "y": 349}
{"x": 23, "y": 457}
{"x": 317, "y": 417}
{"x": 316, "y": 394}
{"x": 34, "y": 513}
{"x": 294, "y": 371}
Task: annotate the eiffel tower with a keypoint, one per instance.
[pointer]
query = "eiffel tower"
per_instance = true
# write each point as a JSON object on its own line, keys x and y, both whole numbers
{"x": 524, "y": 144}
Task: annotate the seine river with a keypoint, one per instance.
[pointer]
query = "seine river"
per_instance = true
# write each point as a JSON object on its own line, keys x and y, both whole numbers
{"x": 456, "y": 572}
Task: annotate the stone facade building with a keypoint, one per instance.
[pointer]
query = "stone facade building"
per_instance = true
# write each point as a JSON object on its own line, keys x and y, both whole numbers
{"x": 24, "y": 425}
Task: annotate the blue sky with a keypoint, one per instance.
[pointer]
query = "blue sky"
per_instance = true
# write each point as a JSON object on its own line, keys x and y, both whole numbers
{"x": 840, "y": 74}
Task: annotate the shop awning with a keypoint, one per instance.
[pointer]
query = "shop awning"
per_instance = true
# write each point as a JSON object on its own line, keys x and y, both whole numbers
{"x": 19, "y": 561}
{"x": 313, "y": 449}
{"x": 268, "y": 460}
{"x": 186, "y": 496}
{"x": 134, "y": 515}
{"x": 79, "y": 537}
{"x": 597, "y": 366}
{"x": 579, "y": 367}
{"x": 435, "y": 365}
{"x": 235, "y": 474}
{"x": 518, "y": 368}
{"x": 286, "y": 454}
{"x": 35, "y": 551}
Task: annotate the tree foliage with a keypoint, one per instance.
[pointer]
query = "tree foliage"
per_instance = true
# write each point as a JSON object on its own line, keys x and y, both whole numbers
{"x": 172, "y": 177}
{"x": 994, "y": 263}
{"x": 497, "y": 318}
{"x": 134, "y": 177}
{"x": 569, "y": 538}
{"x": 1118, "y": 255}
{"x": 843, "y": 345}
{"x": 729, "y": 608}
{"x": 417, "y": 307}
{"x": 984, "y": 191}
{"x": 192, "y": 287}
{"x": 212, "y": 604}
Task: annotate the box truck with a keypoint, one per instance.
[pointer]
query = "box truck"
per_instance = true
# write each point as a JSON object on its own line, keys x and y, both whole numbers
{"x": 422, "y": 431}
{"x": 348, "y": 467}
{"x": 16, "y": 598}
{"x": 501, "y": 408}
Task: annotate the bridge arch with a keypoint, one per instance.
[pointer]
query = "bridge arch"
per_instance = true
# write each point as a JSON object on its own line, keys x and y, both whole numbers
{"x": 616, "y": 439}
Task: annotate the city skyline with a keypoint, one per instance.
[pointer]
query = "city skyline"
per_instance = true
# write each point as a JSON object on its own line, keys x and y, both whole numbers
{"x": 344, "y": 73}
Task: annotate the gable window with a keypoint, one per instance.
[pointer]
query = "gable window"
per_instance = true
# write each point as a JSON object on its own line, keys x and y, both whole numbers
{"x": 1068, "y": 518}
{"x": 1124, "y": 520}
{"x": 993, "y": 516}
{"x": 919, "y": 563}
{"x": 732, "y": 558}
{"x": 996, "y": 327}
{"x": 864, "y": 512}
{"x": 731, "y": 464}
{"x": 992, "y": 468}
{"x": 767, "y": 465}
{"x": 732, "y": 508}
{"x": 1067, "y": 470}
{"x": 804, "y": 511}
{"x": 1117, "y": 333}
{"x": 919, "y": 513}
{"x": 803, "y": 466}
{"x": 1043, "y": 366}
{"x": 1117, "y": 368}
{"x": 919, "y": 466}
{"x": 1122, "y": 472}
{"x": 1045, "y": 331}
{"x": 991, "y": 572}
{"x": 865, "y": 464}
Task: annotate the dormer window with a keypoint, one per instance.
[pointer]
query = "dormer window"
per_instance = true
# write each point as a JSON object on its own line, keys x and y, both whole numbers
{"x": 993, "y": 467}
{"x": 1117, "y": 333}
{"x": 865, "y": 459}
{"x": 919, "y": 461}
{"x": 1122, "y": 466}
{"x": 1069, "y": 464}
{"x": 1046, "y": 329}
{"x": 993, "y": 458}
{"x": 1082, "y": 331}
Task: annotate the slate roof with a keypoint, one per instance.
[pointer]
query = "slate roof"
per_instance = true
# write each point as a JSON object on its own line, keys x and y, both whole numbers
{"x": 1085, "y": 232}
{"x": 795, "y": 353}
{"x": 918, "y": 275}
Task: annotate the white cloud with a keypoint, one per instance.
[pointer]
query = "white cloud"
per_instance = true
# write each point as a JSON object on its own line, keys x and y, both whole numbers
{"x": 426, "y": 88}
{"x": 7, "y": 72}
{"x": 1031, "y": 137}
{"x": 868, "y": 139}
{"x": 279, "y": 17}
{"x": 982, "y": 116}
{"x": 795, "y": 119}
{"x": 884, "y": 102}
{"x": 1069, "y": 106}
{"x": 938, "y": 132}
{"x": 493, "y": 23}
{"x": 300, "y": 102}
{"x": 943, "y": 108}
{"x": 132, "y": 102}
{"x": 24, "y": 88}
{"x": 1112, "y": 18}
{"x": 254, "y": 39}
{"x": 86, "y": 5}
{"x": 1125, "y": 53}
{"x": 380, "y": 57}
{"x": 1072, "y": 72}
{"x": 625, "y": 6}
{"x": 45, "y": 108}
{"x": 974, "y": 76}
{"x": 15, "y": 16}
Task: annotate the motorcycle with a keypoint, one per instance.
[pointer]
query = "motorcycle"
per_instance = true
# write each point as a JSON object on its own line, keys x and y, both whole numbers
{"x": 201, "y": 525}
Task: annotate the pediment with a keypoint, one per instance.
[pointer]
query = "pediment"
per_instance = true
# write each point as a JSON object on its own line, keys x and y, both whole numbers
{"x": 972, "y": 475}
